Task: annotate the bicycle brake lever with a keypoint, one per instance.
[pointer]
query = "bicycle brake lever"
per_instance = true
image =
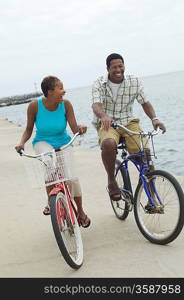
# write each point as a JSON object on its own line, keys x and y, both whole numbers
{"x": 21, "y": 152}
{"x": 114, "y": 124}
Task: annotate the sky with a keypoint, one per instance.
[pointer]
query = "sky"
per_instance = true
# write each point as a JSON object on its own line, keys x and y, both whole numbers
{"x": 71, "y": 40}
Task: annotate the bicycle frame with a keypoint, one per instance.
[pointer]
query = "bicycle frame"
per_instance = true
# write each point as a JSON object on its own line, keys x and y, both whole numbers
{"x": 142, "y": 169}
{"x": 63, "y": 187}
{"x": 160, "y": 221}
{"x": 58, "y": 176}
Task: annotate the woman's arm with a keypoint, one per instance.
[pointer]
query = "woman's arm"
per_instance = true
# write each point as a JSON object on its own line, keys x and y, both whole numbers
{"x": 72, "y": 120}
{"x": 31, "y": 116}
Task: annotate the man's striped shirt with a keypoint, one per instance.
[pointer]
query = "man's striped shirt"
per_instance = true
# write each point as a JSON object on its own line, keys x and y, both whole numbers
{"x": 121, "y": 108}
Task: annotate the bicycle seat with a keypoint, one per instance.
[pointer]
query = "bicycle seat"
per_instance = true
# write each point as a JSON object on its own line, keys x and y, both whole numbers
{"x": 122, "y": 143}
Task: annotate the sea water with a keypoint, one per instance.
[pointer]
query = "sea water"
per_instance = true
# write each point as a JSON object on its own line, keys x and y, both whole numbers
{"x": 165, "y": 92}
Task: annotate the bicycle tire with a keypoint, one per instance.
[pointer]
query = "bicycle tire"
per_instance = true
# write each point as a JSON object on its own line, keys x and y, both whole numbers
{"x": 121, "y": 207}
{"x": 63, "y": 229}
{"x": 160, "y": 228}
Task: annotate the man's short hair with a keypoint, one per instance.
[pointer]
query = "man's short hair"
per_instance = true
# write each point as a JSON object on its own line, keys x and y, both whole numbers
{"x": 111, "y": 57}
{"x": 48, "y": 83}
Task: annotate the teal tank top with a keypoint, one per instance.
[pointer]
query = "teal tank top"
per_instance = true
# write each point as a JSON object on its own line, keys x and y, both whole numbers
{"x": 51, "y": 125}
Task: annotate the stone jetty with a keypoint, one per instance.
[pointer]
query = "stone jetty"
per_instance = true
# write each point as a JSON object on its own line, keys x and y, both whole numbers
{"x": 18, "y": 99}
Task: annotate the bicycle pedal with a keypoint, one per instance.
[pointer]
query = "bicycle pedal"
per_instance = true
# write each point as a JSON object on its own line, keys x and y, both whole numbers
{"x": 129, "y": 203}
{"x": 130, "y": 206}
{"x": 160, "y": 209}
{"x": 154, "y": 209}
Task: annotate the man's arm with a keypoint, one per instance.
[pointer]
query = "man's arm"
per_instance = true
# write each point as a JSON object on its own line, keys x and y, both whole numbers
{"x": 97, "y": 106}
{"x": 150, "y": 112}
{"x": 105, "y": 119}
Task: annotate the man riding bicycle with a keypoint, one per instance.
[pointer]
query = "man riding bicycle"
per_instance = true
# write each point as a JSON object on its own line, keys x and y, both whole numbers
{"x": 113, "y": 97}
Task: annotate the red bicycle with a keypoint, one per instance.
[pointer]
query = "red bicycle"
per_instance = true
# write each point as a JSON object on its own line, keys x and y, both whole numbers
{"x": 57, "y": 168}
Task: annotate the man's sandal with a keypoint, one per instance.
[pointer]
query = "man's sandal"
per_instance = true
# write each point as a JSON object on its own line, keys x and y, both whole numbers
{"x": 46, "y": 210}
{"x": 84, "y": 222}
{"x": 114, "y": 192}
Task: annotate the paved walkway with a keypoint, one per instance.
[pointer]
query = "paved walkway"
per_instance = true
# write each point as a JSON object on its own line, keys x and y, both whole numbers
{"x": 112, "y": 248}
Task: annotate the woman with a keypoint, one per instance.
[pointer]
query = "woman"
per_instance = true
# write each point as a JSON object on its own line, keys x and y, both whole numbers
{"x": 50, "y": 115}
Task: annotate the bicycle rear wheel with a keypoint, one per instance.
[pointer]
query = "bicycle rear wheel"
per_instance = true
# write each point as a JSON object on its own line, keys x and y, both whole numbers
{"x": 121, "y": 207}
{"x": 67, "y": 234}
{"x": 160, "y": 226}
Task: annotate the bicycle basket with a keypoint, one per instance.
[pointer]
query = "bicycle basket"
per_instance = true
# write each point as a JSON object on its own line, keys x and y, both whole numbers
{"x": 35, "y": 172}
{"x": 52, "y": 168}
{"x": 59, "y": 167}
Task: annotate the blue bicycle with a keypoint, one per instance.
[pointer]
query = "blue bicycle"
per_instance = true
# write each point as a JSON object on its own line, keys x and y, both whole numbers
{"x": 158, "y": 200}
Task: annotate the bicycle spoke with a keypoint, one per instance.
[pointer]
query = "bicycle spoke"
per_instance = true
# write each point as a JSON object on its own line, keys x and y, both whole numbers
{"x": 160, "y": 226}
{"x": 67, "y": 234}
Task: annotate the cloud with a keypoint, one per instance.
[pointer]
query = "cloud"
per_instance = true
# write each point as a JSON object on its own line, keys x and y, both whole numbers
{"x": 72, "y": 39}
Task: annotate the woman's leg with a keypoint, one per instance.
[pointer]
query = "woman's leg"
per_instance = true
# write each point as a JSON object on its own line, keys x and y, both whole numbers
{"x": 42, "y": 147}
{"x": 77, "y": 195}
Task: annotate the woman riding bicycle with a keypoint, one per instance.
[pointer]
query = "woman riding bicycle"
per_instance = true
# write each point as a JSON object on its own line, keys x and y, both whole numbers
{"x": 50, "y": 115}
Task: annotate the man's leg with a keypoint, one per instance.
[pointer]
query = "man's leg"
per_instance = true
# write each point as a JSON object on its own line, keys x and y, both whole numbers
{"x": 133, "y": 143}
{"x": 109, "y": 140}
{"x": 109, "y": 149}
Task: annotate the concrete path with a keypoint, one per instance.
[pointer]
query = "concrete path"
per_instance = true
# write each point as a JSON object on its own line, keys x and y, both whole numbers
{"x": 112, "y": 248}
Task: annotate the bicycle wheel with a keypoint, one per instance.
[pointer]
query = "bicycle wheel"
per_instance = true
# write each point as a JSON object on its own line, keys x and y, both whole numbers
{"x": 160, "y": 227}
{"x": 122, "y": 207}
{"x": 68, "y": 235}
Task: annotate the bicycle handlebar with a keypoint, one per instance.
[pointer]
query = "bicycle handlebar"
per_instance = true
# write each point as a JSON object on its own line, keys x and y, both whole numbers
{"x": 154, "y": 132}
{"x": 22, "y": 152}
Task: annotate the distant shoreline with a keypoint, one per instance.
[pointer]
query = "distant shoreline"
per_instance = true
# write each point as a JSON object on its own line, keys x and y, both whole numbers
{"x": 26, "y": 98}
{"x": 8, "y": 103}
{"x": 15, "y": 100}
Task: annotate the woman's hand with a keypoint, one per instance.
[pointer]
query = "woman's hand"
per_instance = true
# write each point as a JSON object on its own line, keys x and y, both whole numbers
{"x": 82, "y": 129}
{"x": 19, "y": 147}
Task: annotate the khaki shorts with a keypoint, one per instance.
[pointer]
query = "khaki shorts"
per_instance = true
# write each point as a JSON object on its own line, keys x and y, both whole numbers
{"x": 74, "y": 185}
{"x": 133, "y": 142}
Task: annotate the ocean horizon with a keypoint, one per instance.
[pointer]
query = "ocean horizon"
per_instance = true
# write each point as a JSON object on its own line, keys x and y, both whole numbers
{"x": 164, "y": 91}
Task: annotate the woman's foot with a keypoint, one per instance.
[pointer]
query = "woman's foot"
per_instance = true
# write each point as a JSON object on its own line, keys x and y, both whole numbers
{"x": 46, "y": 210}
{"x": 84, "y": 220}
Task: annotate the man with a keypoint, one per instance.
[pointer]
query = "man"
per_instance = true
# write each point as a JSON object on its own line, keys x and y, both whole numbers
{"x": 113, "y": 97}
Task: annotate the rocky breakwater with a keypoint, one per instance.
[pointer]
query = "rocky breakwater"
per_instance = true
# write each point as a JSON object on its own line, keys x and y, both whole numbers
{"x": 19, "y": 99}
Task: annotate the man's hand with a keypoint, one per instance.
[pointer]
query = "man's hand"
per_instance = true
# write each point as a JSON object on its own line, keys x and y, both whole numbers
{"x": 157, "y": 123}
{"x": 106, "y": 122}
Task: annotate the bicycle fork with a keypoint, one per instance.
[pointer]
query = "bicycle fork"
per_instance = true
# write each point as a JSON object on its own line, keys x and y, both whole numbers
{"x": 127, "y": 198}
{"x": 65, "y": 190}
{"x": 151, "y": 191}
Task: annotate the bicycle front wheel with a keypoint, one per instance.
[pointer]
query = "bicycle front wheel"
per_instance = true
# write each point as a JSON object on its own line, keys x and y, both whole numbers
{"x": 67, "y": 232}
{"x": 160, "y": 226}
